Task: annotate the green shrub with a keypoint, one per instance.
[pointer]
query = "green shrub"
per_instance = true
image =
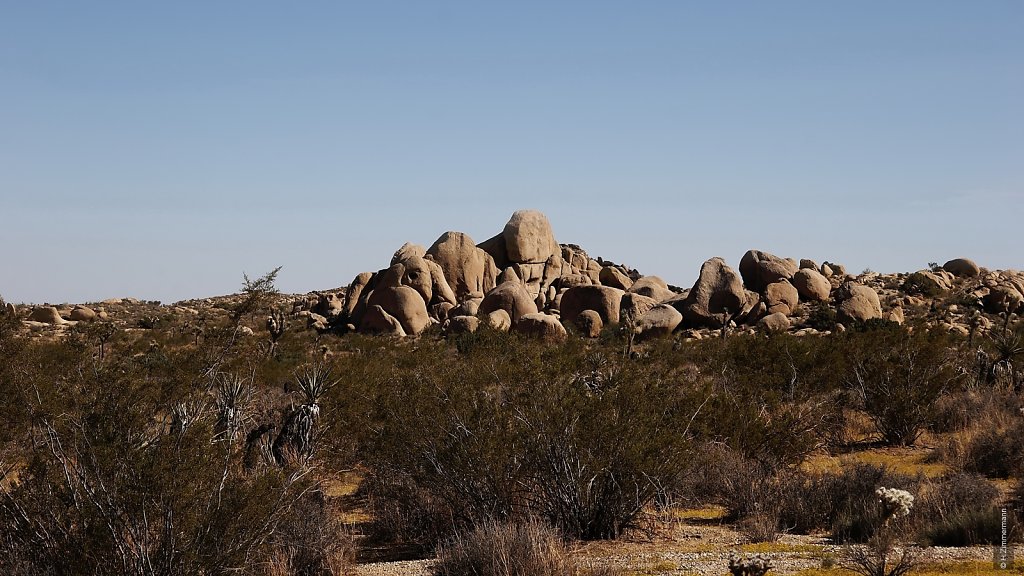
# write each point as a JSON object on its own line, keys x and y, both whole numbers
{"x": 511, "y": 428}
{"x": 822, "y": 317}
{"x": 126, "y": 463}
{"x": 312, "y": 540}
{"x": 898, "y": 375}
{"x": 773, "y": 400}
{"x": 107, "y": 486}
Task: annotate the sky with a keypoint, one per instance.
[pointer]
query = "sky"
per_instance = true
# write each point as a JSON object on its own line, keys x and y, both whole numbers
{"x": 162, "y": 149}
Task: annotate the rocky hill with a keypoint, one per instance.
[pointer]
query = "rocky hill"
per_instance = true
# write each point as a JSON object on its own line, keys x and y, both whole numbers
{"x": 523, "y": 279}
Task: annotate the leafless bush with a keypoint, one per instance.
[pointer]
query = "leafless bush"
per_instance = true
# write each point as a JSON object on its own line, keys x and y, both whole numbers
{"x": 311, "y": 540}
{"x": 505, "y": 549}
{"x": 882, "y": 557}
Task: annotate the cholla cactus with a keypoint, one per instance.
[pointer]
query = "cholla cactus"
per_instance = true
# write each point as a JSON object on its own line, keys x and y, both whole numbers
{"x": 756, "y": 565}
{"x": 897, "y": 502}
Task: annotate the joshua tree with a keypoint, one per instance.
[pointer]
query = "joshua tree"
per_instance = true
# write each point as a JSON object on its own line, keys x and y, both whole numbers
{"x": 276, "y": 325}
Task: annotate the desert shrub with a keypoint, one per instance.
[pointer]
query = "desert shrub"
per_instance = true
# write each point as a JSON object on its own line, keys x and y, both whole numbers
{"x": 717, "y": 474}
{"x": 311, "y": 540}
{"x": 761, "y": 527}
{"x": 107, "y": 486}
{"x": 957, "y": 410}
{"x": 767, "y": 502}
{"x": 897, "y": 375}
{"x": 773, "y": 400}
{"x": 132, "y": 463}
{"x": 855, "y": 511}
{"x": 504, "y": 549}
{"x": 764, "y": 502}
{"x": 807, "y": 502}
{"x": 578, "y": 438}
{"x": 994, "y": 452}
{"x": 822, "y": 317}
{"x": 966, "y": 528}
{"x": 9, "y": 323}
{"x": 882, "y": 554}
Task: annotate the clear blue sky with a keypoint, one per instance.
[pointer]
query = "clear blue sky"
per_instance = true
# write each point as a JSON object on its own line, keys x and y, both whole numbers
{"x": 160, "y": 149}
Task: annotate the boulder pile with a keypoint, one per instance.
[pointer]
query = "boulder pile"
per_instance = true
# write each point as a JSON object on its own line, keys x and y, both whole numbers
{"x": 522, "y": 279}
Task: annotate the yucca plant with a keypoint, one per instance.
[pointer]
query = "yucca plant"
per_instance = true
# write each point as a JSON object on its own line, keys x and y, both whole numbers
{"x": 1008, "y": 346}
{"x": 297, "y": 439}
{"x": 186, "y": 413}
{"x": 232, "y": 395}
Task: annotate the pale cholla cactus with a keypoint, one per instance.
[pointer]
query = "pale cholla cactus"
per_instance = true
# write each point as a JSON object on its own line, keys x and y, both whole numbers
{"x": 756, "y": 565}
{"x": 897, "y": 502}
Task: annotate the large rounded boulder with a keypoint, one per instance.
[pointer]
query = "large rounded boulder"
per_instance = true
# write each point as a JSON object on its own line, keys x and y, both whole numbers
{"x": 781, "y": 297}
{"x": 422, "y": 275}
{"x": 661, "y": 320}
{"x": 356, "y": 294}
{"x": 543, "y": 326}
{"x": 812, "y": 285}
{"x": 378, "y": 322}
{"x": 962, "y": 267}
{"x": 512, "y": 297}
{"x": 1003, "y": 298}
{"x": 589, "y": 323}
{"x": 83, "y": 314}
{"x": 612, "y": 276}
{"x": 652, "y": 287}
{"x": 470, "y": 271}
{"x": 405, "y": 304}
{"x": 759, "y": 269}
{"x": 46, "y": 315}
{"x": 528, "y": 246}
{"x": 858, "y": 303}
{"x": 602, "y": 299}
{"x": 529, "y": 237}
{"x": 717, "y": 293}
{"x": 634, "y": 306}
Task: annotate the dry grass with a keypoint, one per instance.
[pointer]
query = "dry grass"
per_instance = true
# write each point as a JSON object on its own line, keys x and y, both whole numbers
{"x": 505, "y": 549}
{"x": 908, "y": 461}
{"x": 705, "y": 513}
{"x": 781, "y": 547}
{"x": 978, "y": 568}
